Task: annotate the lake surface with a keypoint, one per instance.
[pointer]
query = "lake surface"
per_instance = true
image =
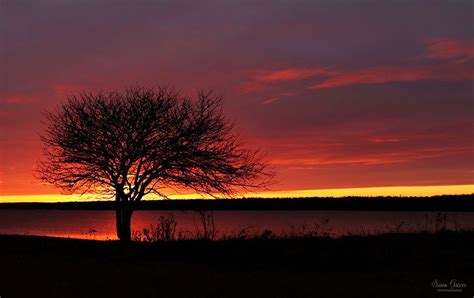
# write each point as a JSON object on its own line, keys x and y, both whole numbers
{"x": 78, "y": 224}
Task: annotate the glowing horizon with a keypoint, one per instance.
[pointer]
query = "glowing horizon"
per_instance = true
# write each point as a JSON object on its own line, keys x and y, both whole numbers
{"x": 404, "y": 191}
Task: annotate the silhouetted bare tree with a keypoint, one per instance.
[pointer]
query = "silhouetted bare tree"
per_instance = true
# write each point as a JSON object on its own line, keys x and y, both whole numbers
{"x": 141, "y": 141}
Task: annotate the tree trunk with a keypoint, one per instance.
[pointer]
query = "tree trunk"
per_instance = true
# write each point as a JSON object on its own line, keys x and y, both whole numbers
{"x": 126, "y": 225}
{"x": 123, "y": 219}
{"x": 118, "y": 220}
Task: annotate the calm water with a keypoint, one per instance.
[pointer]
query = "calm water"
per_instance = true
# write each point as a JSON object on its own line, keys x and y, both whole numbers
{"x": 77, "y": 224}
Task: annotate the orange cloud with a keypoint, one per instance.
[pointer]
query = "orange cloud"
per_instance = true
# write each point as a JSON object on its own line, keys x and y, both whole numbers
{"x": 290, "y": 74}
{"x": 372, "y": 158}
{"x": 390, "y": 158}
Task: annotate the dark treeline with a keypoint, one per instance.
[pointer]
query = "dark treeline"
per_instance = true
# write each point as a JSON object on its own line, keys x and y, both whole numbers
{"x": 435, "y": 203}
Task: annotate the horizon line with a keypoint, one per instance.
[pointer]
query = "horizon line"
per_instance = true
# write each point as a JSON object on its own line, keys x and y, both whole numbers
{"x": 407, "y": 191}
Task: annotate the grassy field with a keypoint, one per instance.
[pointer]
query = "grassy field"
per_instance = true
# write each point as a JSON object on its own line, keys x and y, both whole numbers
{"x": 388, "y": 265}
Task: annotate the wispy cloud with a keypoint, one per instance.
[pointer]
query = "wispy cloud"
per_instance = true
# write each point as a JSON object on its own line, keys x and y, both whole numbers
{"x": 384, "y": 140}
{"x": 270, "y": 100}
{"x": 290, "y": 74}
{"x": 444, "y": 48}
{"x": 17, "y": 99}
{"x": 394, "y": 73}
{"x": 443, "y": 60}
{"x": 372, "y": 158}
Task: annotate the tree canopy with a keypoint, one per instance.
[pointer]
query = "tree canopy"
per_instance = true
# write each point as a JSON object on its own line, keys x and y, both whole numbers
{"x": 143, "y": 140}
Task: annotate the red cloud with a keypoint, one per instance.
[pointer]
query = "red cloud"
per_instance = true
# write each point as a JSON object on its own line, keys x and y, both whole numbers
{"x": 384, "y": 140}
{"x": 270, "y": 100}
{"x": 443, "y": 48}
{"x": 438, "y": 49}
{"x": 17, "y": 99}
{"x": 387, "y": 74}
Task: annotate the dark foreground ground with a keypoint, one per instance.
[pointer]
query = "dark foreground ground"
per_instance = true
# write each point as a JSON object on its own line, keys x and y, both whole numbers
{"x": 390, "y": 265}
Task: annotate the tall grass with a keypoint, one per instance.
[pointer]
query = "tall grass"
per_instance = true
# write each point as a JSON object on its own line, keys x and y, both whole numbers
{"x": 205, "y": 228}
{"x": 164, "y": 230}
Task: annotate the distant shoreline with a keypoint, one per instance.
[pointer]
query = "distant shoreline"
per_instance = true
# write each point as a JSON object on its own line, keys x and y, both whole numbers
{"x": 463, "y": 203}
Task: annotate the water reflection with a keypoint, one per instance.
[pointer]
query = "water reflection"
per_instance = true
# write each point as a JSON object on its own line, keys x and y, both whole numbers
{"x": 100, "y": 225}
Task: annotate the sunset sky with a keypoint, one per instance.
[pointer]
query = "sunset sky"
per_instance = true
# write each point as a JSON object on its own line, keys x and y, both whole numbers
{"x": 339, "y": 94}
